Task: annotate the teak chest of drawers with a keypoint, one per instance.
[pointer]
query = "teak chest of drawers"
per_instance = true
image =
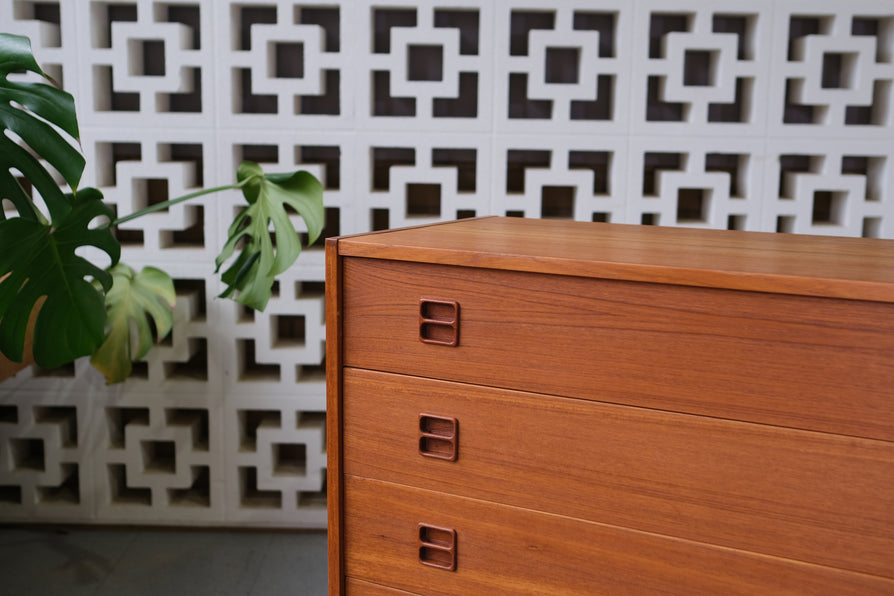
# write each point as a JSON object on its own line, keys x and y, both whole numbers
{"x": 543, "y": 407}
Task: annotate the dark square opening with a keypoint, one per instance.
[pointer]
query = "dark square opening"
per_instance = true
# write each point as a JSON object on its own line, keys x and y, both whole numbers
{"x": 425, "y": 63}
{"x": 289, "y": 459}
{"x": 27, "y": 454}
{"x": 159, "y": 456}
{"x": 838, "y": 70}
{"x": 289, "y": 60}
{"x": 424, "y": 200}
{"x": 557, "y": 202}
{"x": 562, "y": 65}
{"x": 698, "y": 68}
{"x": 692, "y": 204}
{"x": 153, "y": 58}
{"x": 378, "y": 220}
{"x": 289, "y": 330}
{"x": 828, "y": 207}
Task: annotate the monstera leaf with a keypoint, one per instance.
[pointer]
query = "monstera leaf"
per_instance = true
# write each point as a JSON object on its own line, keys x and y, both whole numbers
{"x": 133, "y": 299}
{"x": 38, "y": 134}
{"x": 252, "y": 273}
{"x": 38, "y": 259}
{"x": 28, "y": 110}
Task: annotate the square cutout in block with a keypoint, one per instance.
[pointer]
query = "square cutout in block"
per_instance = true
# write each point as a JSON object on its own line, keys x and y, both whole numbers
{"x": 692, "y": 204}
{"x": 557, "y": 202}
{"x": 424, "y": 200}
{"x": 27, "y": 454}
{"x": 289, "y": 459}
{"x": 838, "y": 70}
{"x": 562, "y": 66}
{"x": 425, "y": 63}
{"x": 698, "y": 68}
{"x": 288, "y": 60}
{"x": 829, "y": 207}
{"x": 159, "y": 456}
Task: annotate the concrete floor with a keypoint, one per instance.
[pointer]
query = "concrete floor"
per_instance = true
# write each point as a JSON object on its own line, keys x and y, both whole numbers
{"x": 77, "y": 561}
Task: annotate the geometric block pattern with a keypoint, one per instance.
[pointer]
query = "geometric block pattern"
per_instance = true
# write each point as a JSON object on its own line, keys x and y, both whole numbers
{"x": 282, "y": 61}
{"x": 841, "y": 191}
{"x": 424, "y": 181}
{"x": 838, "y": 71}
{"x": 717, "y": 185}
{"x": 773, "y": 116}
{"x": 157, "y": 458}
{"x": 44, "y": 473}
{"x": 146, "y": 58}
{"x": 579, "y": 178}
{"x": 279, "y": 462}
{"x": 564, "y": 68}
{"x": 428, "y": 63}
{"x": 704, "y": 67}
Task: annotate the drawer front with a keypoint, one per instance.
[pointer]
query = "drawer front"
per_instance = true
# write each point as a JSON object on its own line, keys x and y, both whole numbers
{"x": 801, "y": 362}
{"x": 507, "y": 550}
{"x": 815, "y": 497}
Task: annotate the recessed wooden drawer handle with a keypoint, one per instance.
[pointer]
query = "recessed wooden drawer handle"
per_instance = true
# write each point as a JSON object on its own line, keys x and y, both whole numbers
{"x": 437, "y": 547}
{"x": 439, "y": 322}
{"x": 438, "y": 436}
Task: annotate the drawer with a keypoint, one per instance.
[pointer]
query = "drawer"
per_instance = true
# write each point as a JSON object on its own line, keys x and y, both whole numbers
{"x": 815, "y": 497}
{"x": 801, "y": 362}
{"x": 506, "y": 550}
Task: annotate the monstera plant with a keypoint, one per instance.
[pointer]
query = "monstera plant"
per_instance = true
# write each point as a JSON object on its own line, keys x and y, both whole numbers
{"x": 111, "y": 313}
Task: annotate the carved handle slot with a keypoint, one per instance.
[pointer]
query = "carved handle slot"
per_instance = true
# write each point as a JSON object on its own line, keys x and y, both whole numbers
{"x": 439, "y": 322}
{"x": 438, "y": 436}
{"x": 437, "y": 547}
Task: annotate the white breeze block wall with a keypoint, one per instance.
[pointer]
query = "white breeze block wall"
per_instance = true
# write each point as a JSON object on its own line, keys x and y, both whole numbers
{"x": 771, "y": 116}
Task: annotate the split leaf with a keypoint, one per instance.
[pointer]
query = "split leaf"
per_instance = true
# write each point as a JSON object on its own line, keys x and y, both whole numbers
{"x": 134, "y": 299}
{"x": 35, "y": 113}
{"x": 37, "y": 259}
{"x": 251, "y": 275}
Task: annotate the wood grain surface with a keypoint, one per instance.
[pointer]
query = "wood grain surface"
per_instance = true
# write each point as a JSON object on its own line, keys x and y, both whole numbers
{"x": 795, "y": 361}
{"x": 639, "y": 410}
{"x": 856, "y": 268}
{"x": 356, "y": 587}
{"x": 809, "y": 496}
{"x": 509, "y": 550}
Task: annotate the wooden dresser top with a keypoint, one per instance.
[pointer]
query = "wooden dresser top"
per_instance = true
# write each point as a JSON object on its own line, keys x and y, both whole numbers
{"x": 854, "y": 268}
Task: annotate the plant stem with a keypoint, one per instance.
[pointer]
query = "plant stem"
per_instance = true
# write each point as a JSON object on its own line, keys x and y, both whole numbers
{"x": 166, "y": 204}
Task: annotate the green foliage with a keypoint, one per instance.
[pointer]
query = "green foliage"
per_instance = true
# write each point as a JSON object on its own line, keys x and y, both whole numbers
{"x": 37, "y": 257}
{"x": 252, "y": 273}
{"x": 84, "y": 311}
{"x": 28, "y": 110}
{"x": 40, "y": 260}
{"x": 132, "y": 301}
